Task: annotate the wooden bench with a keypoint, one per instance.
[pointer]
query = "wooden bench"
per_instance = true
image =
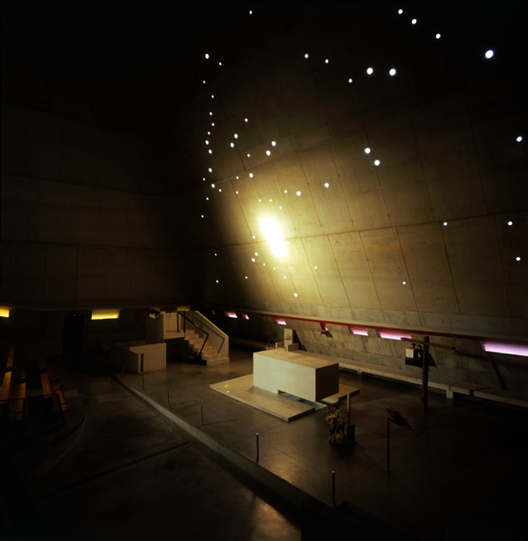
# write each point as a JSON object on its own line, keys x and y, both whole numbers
{"x": 17, "y": 396}
{"x": 8, "y": 378}
{"x": 56, "y": 387}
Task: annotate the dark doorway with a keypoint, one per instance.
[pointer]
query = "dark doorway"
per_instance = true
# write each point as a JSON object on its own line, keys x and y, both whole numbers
{"x": 73, "y": 336}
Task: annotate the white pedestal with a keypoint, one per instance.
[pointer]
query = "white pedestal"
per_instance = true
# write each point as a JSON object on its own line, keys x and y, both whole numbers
{"x": 295, "y": 373}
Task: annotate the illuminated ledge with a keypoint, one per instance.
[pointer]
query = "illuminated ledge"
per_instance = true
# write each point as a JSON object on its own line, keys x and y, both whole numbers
{"x": 277, "y": 404}
{"x": 280, "y": 405}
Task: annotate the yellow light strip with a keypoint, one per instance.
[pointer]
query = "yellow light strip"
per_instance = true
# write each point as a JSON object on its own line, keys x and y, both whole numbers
{"x": 4, "y": 311}
{"x": 105, "y": 314}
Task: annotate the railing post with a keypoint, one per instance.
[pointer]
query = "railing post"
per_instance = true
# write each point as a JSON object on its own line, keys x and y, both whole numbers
{"x": 258, "y": 451}
{"x": 388, "y": 444}
{"x": 201, "y": 415}
{"x": 168, "y": 401}
{"x": 333, "y": 488}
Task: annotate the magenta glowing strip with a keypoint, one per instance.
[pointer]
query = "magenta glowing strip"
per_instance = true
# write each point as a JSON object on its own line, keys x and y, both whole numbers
{"x": 509, "y": 349}
{"x": 244, "y": 316}
{"x": 360, "y": 331}
{"x": 280, "y": 321}
{"x": 231, "y": 314}
{"x": 394, "y": 335}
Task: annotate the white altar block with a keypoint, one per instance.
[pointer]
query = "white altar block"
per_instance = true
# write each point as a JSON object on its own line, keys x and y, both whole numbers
{"x": 296, "y": 373}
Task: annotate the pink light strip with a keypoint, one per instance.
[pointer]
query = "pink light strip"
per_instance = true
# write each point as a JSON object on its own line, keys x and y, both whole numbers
{"x": 360, "y": 331}
{"x": 509, "y": 349}
{"x": 393, "y": 335}
{"x": 280, "y": 321}
{"x": 231, "y": 314}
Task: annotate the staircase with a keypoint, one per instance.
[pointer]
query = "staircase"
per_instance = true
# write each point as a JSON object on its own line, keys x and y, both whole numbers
{"x": 209, "y": 354}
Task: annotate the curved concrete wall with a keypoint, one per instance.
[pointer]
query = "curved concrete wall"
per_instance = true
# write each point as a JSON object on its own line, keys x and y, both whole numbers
{"x": 111, "y": 196}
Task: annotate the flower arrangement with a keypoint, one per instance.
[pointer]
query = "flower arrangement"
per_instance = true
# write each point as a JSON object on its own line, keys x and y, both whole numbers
{"x": 336, "y": 423}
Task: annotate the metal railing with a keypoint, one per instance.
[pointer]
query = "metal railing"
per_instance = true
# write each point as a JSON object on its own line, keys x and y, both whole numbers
{"x": 185, "y": 319}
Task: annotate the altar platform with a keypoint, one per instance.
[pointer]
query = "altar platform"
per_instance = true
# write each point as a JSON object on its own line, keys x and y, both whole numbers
{"x": 457, "y": 475}
{"x": 288, "y": 384}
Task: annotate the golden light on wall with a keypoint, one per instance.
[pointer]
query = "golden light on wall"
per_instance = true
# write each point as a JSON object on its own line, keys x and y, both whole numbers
{"x": 272, "y": 232}
{"x": 4, "y": 311}
{"x": 111, "y": 313}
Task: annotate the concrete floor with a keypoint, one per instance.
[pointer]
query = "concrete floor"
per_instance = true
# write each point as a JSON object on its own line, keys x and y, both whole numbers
{"x": 461, "y": 473}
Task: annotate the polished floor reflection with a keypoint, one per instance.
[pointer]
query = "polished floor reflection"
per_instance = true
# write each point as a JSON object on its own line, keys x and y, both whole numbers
{"x": 460, "y": 473}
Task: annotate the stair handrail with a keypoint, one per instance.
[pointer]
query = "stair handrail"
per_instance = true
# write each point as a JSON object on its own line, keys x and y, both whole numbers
{"x": 185, "y": 318}
{"x": 223, "y": 337}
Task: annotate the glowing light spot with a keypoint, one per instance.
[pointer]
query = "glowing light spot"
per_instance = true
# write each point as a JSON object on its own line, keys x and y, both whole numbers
{"x": 219, "y": 63}
{"x": 284, "y": 277}
{"x": 250, "y": 175}
{"x": 253, "y": 237}
{"x": 273, "y": 144}
{"x": 253, "y": 259}
{"x": 202, "y": 216}
{"x": 208, "y": 133}
{"x": 212, "y": 124}
{"x": 249, "y": 155}
{"x": 250, "y": 12}
{"x": 98, "y": 314}
{"x": 236, "y": 192}
{"x": 210, "y": 170}
{"x": 350, "y": 80}
{"x": 519, "y": 139}
{"x": 232, "y": 145}
{"x": 212, "y": 185}
{"x": 489, "y": 54}
{"x": 326, "y": 185}
{"x": 256, "y": 253}
{"x": 273, "y": 234}
{"x": 268, "y": 153}
{"x": 212, "y": 96}
{"x": 245, "y": 119}
{"x": 315, "y": 267}
{"x": 445, "y": 224}
{"x": 219, "y": 189}
{"x": 207, "y": 55}
{"x": 271, "y": 200}
{"x": 326, "y": 61}
{"x": 285, "y": 191}
{"x": 237, "y": 178}
{"x": 235, "y": 135}
{"x": 306, "y": 55}
{"x": 414, "y": 21}
{"x": 280, "y": 207}
{"x": 206, "y": 142}
{"x": 367, "y": 150}
{"x": 260, "y": 200}
{"x": 404, "y": 283}
{"x": 263, "y": 264}
{"x": 376, "y": 162}
{"x": 210, "y": 151}
{"x": 298, "y": 194}
{"x": 295, "y": 295}
{"x": 438, "y": 36}
{"x": 203, "y": 179}
{"x": 392, "y": 72}
{"x": 400, "y": 11}
{"x": 370, "y": 71}
{"x": 203, "y": 82}
{"x": 207, "y": 198}
{"x": 245, "y": 277}
{"x": 510, "y": 223}
{"x": 517, "y": 258}
{"x": 216, "y": 255}
{"x": 210, "y": 113}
